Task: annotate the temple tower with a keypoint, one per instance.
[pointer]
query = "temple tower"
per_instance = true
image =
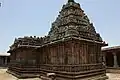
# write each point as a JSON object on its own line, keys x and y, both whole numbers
{"x": 71, "y": 50}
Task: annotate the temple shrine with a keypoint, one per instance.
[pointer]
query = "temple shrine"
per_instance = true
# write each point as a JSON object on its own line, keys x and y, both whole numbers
{"x": 70, "y": 51}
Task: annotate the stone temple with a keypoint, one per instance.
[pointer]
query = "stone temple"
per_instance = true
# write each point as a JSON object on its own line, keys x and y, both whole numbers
{"x": 70, "y": 51}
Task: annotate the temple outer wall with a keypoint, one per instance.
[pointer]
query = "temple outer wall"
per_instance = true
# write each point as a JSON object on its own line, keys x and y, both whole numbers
{"x": 64, "y": 58}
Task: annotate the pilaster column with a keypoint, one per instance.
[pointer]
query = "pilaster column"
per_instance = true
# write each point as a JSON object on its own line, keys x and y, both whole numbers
{"x": 1, "y": 61}
{"x": 115, "y": 60}
{"x": 6, "y": 60}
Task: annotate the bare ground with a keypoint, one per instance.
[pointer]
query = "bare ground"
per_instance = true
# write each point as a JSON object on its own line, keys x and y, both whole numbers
{"x": 113, "y": 76}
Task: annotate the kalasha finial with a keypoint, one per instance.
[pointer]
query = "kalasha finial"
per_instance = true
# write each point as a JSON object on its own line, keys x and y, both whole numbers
{"x": 71, "y": 1}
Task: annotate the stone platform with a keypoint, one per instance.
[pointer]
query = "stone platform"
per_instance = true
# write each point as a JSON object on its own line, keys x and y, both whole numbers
{"x": 6, "y": 76}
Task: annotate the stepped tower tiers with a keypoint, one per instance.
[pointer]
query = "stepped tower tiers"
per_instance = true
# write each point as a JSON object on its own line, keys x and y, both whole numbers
{"x": 72, "y": 22}
{"x": 71, "y": 50}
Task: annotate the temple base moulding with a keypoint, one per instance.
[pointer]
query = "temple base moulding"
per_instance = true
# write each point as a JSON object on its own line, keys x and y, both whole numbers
{"x": 60, "y": 76}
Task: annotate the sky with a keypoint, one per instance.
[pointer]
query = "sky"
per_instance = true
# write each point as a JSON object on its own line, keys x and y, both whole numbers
{"x": 19, "y": 18}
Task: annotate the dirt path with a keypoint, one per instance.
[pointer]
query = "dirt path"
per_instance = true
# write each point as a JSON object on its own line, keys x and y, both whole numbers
{"x": 6, "y": 76}
{"x": 113, "y": 76}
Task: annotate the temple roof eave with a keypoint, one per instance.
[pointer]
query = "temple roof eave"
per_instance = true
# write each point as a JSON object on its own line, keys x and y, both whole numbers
{"x": 4, "y": 54}
{"x": 111, "y": 48}
{"x": 57, "y": 41}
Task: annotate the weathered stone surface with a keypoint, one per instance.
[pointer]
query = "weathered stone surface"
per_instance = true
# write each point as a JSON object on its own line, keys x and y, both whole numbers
{"x": 71, "y": 50}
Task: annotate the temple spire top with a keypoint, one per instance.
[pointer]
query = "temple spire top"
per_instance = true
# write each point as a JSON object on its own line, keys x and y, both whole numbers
{"x": 71, "y": 1}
